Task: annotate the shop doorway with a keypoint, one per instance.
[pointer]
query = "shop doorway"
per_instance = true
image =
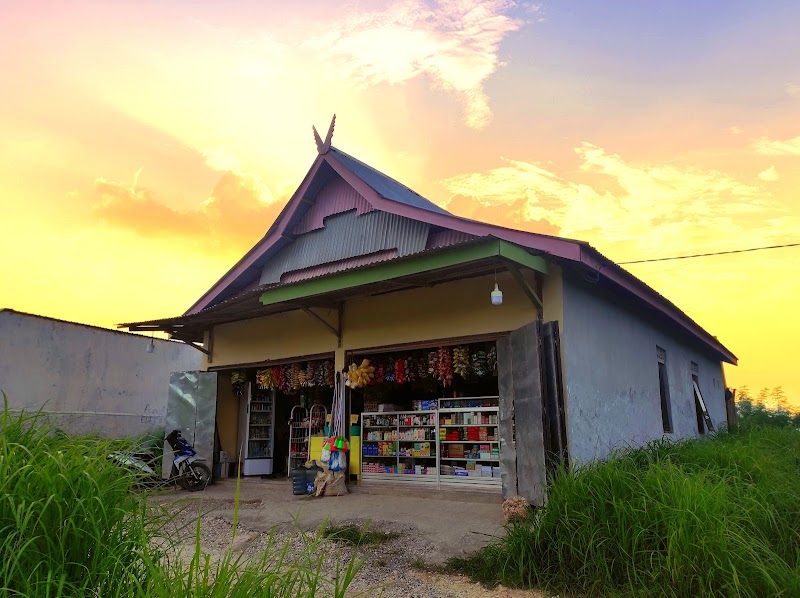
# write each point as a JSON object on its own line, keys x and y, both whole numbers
{"x": 277, "y": 393}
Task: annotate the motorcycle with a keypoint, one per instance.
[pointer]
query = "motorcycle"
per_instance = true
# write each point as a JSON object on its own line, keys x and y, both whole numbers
{"x": 142, "y": 465}
{"x": 187, "y": 468}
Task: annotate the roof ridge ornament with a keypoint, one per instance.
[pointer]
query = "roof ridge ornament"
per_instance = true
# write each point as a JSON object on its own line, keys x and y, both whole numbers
{"x": 323, "y": 147}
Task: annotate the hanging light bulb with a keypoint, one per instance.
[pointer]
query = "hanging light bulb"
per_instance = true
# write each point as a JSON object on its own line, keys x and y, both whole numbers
{"x": 497, "y": 295}
{"x": 150, "y": 346}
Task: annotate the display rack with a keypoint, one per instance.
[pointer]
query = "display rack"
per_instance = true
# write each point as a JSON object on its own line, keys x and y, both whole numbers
{"x": 469, "y": 441}
{"x": 456, "y": 445}
{"x": 299, "y": 437}
{"x": 303, "y": 424}
{"x": 400, "y": 446}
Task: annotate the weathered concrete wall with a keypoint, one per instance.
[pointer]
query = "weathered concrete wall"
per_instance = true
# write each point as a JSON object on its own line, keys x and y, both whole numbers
{"x": 611, "y": 375}
{"x": 95, "y": 380}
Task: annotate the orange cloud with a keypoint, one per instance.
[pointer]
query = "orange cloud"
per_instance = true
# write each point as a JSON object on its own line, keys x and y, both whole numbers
{"x": 232, "y": 219}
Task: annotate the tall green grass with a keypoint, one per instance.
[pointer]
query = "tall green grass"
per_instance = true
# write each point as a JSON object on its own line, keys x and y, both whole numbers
{"x": 71, "y": 525}
{"x": 695, "y": 518}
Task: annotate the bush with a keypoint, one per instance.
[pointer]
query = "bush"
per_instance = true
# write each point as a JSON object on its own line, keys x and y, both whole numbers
{"x": 695, "y": 518}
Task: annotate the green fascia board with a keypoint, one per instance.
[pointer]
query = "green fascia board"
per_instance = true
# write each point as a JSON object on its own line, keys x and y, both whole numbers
{"x": 406, "y": 267}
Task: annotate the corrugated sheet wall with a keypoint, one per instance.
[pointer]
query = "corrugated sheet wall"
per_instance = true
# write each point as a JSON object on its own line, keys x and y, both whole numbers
{"x": 346, "y": 236}
{"x": 334, "y": 198}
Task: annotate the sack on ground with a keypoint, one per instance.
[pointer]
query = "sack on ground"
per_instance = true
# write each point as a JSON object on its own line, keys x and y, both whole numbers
{"x": 336, "y": 486}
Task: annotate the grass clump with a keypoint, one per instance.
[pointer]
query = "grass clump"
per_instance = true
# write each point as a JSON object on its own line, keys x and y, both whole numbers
{"x": 357, "y": 535}
{"x": 71, "y": 525}
{"x": 719, "y": 517}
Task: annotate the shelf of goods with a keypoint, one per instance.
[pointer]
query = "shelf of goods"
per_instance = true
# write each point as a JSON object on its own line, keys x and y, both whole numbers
{"x": 469, "y": 441}
{"x": 455, "y": 445}
{"x": 400, "y": 446}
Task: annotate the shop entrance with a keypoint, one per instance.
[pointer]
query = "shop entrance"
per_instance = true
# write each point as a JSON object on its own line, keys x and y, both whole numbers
{"x": 283, "y": 413}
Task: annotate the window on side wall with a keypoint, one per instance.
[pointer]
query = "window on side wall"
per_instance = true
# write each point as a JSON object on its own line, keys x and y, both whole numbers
{"x": 663, "y": 389}
{"x": 698, "y": 409}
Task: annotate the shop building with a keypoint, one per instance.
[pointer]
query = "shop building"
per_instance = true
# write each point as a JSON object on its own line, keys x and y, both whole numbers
{"x": 469, "y": 391}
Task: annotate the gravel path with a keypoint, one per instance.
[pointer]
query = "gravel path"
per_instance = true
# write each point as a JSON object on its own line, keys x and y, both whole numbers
{"x": 388, "y": 569}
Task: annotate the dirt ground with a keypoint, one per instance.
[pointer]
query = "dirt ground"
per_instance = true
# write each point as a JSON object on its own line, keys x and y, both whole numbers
{"x": 430, "y": 528}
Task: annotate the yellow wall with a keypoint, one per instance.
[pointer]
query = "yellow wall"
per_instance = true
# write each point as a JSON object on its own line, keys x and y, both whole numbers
{"x": 282, "y": 336}
{"x": 454, "y": 309}
{"x": 227, "y": 415}
{"x": 460, "y": 308}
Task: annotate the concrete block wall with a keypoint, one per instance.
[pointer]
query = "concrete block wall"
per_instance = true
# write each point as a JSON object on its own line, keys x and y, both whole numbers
{"x": 91, "y": 379}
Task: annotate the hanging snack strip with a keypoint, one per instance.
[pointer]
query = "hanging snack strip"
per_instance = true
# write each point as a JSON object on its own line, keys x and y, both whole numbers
{"x": 388, "y": 370}
{"x": 410, "y": 369}
{"x": 444, "y": 370}
{"x": 265, "y": 380}
{"x": 491, "y": 357}
{"x": 480, "y": 364}
{"x": 293, "y": 377}
{"x": 461, "y": 361}
{"x": 400, "y": 371}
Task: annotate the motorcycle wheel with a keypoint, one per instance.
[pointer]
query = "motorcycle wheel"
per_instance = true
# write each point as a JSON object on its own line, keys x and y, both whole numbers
{"x": 197, "y": 477}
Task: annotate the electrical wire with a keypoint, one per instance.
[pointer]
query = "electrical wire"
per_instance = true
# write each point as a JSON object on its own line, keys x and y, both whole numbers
{"x": 686, "y": 257}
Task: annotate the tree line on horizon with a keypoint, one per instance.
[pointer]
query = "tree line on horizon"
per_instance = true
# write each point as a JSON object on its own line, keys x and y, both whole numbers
{"x": 770, "y": 407}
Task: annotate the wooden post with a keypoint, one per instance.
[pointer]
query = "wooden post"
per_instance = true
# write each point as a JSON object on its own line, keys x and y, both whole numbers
{"x": 508, "y": 451}
{"x": 527, "y": 381}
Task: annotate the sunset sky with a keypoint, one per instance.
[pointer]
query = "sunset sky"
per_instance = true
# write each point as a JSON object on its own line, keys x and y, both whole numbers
{"x": 145, "y": 146}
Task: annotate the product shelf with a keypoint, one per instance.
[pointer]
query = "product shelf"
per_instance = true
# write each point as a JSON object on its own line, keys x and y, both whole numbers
{"x": 469, "y": 442}
{"x": 467, "y": 409}
{"x": 410, "y": 478}
{"x": 439, "y": 474}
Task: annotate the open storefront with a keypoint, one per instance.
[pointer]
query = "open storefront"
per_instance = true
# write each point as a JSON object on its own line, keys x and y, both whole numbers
{"x": 429, "y": 415}
{"x": 423, "y": 415}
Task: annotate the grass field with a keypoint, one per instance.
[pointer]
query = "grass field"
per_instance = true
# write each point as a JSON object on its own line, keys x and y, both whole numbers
{"x": 719, "y": 517}
{"x": 71, "y": 525}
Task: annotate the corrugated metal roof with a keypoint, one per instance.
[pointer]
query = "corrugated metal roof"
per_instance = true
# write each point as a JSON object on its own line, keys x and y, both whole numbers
{"x": 444, "y": 238}
{"x": 340, "y": 266}
{"x": 346, "y": 236}
{"x": 384, "y": 185}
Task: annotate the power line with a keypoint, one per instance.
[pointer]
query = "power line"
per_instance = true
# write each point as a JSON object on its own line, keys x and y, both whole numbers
{"x": 686, "y": 257}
